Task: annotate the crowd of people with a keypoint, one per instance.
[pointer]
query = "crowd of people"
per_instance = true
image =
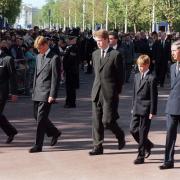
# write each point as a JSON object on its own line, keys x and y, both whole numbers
{"x": 51, "y": 59}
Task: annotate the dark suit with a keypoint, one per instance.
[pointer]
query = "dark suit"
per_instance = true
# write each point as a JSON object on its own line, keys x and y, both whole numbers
{"x": 7, "y": 76}
{"x": 173, "y": 115}
{"x": 161, "y": 55}
{"x": 121, "y": 50}
{"x": 90, "y": 46}
{"x": 128, "y": 54}
{"x": 144, "y": 103}
{"x": 105, "y": 94}
{"x": 46, "y": 81}
{"x": 71, "y": 68}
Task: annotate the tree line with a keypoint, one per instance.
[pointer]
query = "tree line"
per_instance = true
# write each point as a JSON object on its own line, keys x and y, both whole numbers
{"x": 10, "y": 9}
{"x": 134, "y": 15}
{"x": 138, "y": 13}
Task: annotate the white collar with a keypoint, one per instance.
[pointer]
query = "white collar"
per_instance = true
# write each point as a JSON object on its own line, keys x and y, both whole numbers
{"x": 115, "y": 46}
{"x": 46, "y": 53}
{"x": 145, "y": 73}
{"x": 105, "y": 50}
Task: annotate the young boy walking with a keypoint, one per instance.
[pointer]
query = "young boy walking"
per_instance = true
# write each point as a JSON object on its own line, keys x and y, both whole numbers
{"x": 144, "y": 107}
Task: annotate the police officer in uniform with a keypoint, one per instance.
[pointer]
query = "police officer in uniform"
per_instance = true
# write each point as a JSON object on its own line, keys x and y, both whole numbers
{"x": 71, "y": 68}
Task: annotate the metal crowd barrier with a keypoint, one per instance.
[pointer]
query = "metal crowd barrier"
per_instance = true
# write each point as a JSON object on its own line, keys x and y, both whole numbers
{"x": 21, "y": 69}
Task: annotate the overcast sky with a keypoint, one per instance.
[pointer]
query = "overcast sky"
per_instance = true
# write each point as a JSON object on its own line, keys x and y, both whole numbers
{"x": 35, "y": 3}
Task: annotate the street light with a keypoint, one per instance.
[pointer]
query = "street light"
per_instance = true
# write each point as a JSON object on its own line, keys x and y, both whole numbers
{"x": 49, "y": 15}
{"x": 1, "y": 17}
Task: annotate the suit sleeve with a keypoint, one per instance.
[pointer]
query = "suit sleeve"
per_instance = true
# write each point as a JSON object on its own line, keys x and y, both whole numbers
{"x": 134, "y": 91}
{"x": 154, "y": 96}
{"x": 12, "y": 76}
{"x": 119, "y": 71}
{"x": 55, "y": 77}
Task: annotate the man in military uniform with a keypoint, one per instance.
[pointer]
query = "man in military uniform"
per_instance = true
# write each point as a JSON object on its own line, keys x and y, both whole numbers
{"x": 71, "y": 68}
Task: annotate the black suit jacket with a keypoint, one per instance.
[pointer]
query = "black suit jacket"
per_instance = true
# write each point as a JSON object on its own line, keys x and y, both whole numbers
{"x": 108, "y": 75}
{"x": 7, "y": 76}
{"x": 161, "y": 54}
{"x": 145, "y": 96}
{"x": 46, "y": 78}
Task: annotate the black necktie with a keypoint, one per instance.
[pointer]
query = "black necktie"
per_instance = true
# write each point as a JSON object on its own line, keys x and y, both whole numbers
{"x": 102, "y": 56}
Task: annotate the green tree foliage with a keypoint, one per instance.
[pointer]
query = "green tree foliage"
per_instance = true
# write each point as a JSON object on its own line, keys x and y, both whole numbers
{"x": 139, "y": 13}
{"x": 10, "y": 9}
{"x": 169, "y": 10}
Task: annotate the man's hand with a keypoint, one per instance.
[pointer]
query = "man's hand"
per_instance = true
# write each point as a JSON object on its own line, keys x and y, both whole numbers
{"x": 51, "y": 100}
{"x": 14, "y": 98}
{"x": 151, "y": 116}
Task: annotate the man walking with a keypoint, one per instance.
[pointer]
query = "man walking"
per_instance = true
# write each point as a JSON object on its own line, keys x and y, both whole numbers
{"x": 108, "y": 68}
{"x": 7, "y": 77}
{"x": 45, "y": 87}
{"x": 173, "y": 108}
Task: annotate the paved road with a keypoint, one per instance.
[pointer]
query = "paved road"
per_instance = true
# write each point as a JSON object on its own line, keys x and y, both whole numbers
{"x": 69, "y": 160}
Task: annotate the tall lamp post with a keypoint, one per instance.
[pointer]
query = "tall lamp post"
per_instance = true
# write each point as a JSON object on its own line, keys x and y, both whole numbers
{"x": 107, "y": 14}
{"x": 49, "y": 15}
{"x": 1, "y": 15}
{"x": 84, "y": 11}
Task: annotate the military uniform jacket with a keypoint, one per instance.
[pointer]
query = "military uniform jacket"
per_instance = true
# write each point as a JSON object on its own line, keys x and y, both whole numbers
{"x": 46, "y": 78}
{"x": 7, "y": 76}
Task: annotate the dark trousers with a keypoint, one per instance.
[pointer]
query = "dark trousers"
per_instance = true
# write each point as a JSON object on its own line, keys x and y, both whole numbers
{"x": 172, "y": 124}
{"x": 139, "y": 128}
{"x": 70, "y": 89}
{"x": 44, "y": 125}
{"x": 89, "y": 67}
{"x": 128, "y": 69}
{"x": 4, "y": 123}
{"x": 161, "y": 71}
{"x": 98, "y": 123}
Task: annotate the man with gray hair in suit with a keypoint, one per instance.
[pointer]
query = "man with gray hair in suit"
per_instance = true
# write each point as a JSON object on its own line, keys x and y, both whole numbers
{"x": 173, "y": 108}
{"x": 45, "y": 88}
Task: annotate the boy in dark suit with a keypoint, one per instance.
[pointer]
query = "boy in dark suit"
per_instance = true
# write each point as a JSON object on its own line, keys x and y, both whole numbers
{"x": 144, "y": 107}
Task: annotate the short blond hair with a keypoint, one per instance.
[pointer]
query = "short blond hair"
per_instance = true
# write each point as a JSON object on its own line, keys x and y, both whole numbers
{"x": 143, "y": 60}
{"x": 176, "y": 44}
{"x": 40, "y": 40}
{"x": 102, "y": 33}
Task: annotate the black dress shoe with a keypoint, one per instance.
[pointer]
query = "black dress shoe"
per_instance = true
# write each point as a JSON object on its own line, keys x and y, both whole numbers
{"x": 35, "y": 149}
{"x": 96, "y": 151}
{"x": 166, "y": 166}
{"x": 55, "y": 139}
{"x": 10, "y": 138}
{"x": 121, "y": 144}
{"x": 139, "y": 160}
{"x": 148, "y": 150}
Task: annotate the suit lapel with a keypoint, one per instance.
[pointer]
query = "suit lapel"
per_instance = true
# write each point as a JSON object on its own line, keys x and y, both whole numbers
{"x": 138, "y": 81}
{"x": 47, "y": 59}
{"x": 105, "y": 60}
{"x": 142, "y": 81}
{"x": 175, "y": 78}
{"x": 98, "y": 59}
